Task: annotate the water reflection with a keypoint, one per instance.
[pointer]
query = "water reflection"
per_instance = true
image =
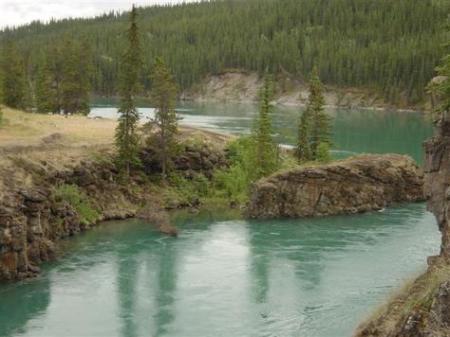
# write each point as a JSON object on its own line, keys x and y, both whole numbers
{"x": 313, "y": 277}
{"x": 166, "y": 289}
{"x": 19, "y": 305}
{"x": 127, "y": 279}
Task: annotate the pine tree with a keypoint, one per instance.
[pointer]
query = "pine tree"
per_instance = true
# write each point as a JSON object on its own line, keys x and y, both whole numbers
{"x": 75, "y": 84}
{"x": 164, "y": 97}
{"x": 85, "y": 71}
{"x": 266, "y": 149}
{"x": 323, "y": 153}
{"x": 303, "y": 150}
{"x": 56, "y": 65}
{"x": 46, "y": 93}
{"x": 14, "y": 79}
{"x": 439, "y": 88}
{"x": 373, "y": 57}
{"x": 127, "y": 140}
{"x": 320, "y": 131}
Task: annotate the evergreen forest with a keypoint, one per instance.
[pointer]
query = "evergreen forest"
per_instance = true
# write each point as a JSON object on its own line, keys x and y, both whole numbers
{"x": 389, "y": 47}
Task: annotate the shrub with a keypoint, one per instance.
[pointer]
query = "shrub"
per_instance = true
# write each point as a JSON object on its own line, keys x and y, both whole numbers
{"x": 232, "y": 183}
{"x": 323, "y": 153}
{"x": 79, "y": 201}
{"x": 189, "y": 190}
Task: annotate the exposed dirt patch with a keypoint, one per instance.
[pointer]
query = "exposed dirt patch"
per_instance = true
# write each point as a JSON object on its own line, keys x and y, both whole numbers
{"x": 237, "y": 86}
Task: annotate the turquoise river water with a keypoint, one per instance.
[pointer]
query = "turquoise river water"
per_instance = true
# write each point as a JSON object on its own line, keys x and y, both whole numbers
{"x": 228, "y": 277}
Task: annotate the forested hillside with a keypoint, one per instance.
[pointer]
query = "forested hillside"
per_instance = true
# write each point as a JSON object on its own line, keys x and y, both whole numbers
{"x": 383, "y": 45}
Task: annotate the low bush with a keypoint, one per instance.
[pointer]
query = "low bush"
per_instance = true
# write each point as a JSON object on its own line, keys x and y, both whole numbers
{"x": 323, "y": 153}
{"x": 79, "y": 201}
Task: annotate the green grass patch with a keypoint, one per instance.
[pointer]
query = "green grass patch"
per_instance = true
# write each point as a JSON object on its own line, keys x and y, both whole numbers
{"x": 79, "y": 201}
{"x": 230, "y": 185}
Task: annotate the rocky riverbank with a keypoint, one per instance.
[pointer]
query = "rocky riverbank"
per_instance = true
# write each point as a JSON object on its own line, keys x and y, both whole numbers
{"x": 423, "y": 308}
{"x": 43, "y": 200}
{"x": 355, "y": 185}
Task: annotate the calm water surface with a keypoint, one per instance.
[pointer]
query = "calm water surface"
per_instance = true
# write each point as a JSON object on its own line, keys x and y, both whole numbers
{"x": 354, "y": 131}
{"x": 225, "y": 277}
{"x": 314, "y": 278}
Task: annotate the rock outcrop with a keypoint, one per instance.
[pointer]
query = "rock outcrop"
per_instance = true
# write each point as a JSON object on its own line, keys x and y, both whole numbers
{"x": 355, "y": 185}
{"x": 423, "y": 309}
{"x": 33, "y": 218}
{"x": 437, "y": 183}
{"x": 194, "y": 158}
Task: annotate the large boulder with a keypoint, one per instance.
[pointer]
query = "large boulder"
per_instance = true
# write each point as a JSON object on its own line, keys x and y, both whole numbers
{"x": 355, "y": 185}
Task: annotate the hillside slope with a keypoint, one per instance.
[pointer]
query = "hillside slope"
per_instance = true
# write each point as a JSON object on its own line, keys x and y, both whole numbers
{"x": 241, "y": 86}
{"x": 58, "y": 178}
{"x": 389, "y": 47}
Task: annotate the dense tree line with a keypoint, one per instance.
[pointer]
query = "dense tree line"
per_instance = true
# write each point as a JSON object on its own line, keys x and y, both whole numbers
{"x": 62, "y": 82}
{"x": 13, "y": 84}
{"x": 384, "y": 45}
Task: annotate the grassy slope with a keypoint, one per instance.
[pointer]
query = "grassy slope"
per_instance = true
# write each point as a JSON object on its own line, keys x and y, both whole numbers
{"x": 28, "y": 132}
{"x": 62, "y": 142}
{"x": 26, "y": 129}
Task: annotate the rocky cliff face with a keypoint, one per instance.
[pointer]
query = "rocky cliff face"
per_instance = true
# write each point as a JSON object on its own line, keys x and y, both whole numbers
{"x": 33, "y": 218}
{"x": 359, "y": 184}
{"x": 423, "y": 309}
{"x": 437, "y": 182}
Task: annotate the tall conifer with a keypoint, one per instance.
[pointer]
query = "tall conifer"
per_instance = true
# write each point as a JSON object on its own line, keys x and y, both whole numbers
{"x": 266, "y": 149}
{"x": 303, "y": 150}
{"x": 46, "y": 93}
{"x": 320, "y": 131}
{"x": 127, "y": 140}
{"x": 75, "y": 84}
{"x": 314, "y": 130}
{"x": 164, "y": 93}
{"x": 14, "y": 79}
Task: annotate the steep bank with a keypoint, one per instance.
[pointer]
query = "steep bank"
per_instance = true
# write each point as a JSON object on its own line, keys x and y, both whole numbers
{"x": 423, "y": 308}
{"x": 41, "y": 203}
{"x": 55, "y": 186}
{"x": 236, "y": 86}
{"x": 358, "y": 184}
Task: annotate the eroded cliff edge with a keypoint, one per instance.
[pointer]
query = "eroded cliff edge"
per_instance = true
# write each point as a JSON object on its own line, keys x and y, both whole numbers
{"x": 35, "y": 215}
{"x": 423, "y": 308}
{"x": 359, "y": 184}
